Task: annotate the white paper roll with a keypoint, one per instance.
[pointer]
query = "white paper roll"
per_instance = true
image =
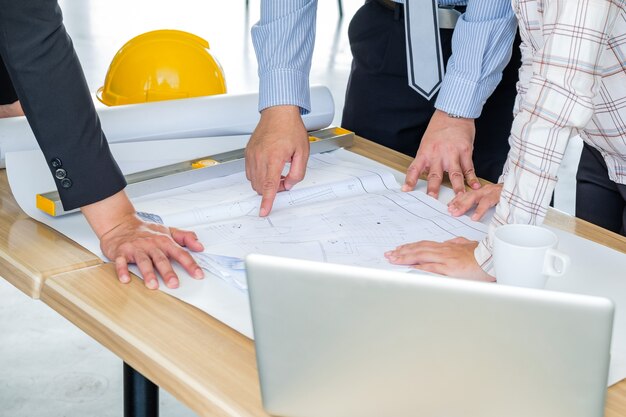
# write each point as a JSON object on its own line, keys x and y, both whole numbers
{"x": 228, "y": 114}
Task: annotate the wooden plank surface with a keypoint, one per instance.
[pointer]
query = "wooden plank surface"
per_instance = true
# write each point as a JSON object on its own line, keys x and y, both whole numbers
{"x": 30, "y": 251}
{"x": 202, "y": 362}
{"x": 206, "y": 365}
{"x": 616, "y": 400}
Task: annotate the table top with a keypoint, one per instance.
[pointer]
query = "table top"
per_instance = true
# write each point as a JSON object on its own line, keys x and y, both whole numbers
{"x": 202, "y": 362}
{"x": 30, "y": 251}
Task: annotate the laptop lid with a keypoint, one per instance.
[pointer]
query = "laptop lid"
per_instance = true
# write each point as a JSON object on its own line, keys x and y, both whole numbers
{"x": 340, "y": 341}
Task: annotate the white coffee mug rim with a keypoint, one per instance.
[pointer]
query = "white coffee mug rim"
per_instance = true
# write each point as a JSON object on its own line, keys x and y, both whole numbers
{"x": 500, "y": 229}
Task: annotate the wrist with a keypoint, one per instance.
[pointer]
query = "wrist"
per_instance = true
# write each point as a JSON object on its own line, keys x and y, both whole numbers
{"x": 453, "y": 115}
{"x": 281, "y": 112}
{"x": 105, "y": 215}
{"x": 282, "y": 119}
{"x": 441, "y": 119}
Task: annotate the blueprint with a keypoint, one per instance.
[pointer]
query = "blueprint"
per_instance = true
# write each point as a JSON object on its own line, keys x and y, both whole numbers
{"x": 348, "y": 210}
{"x": 342, "y": 213}
{"x": 343, "y": 192}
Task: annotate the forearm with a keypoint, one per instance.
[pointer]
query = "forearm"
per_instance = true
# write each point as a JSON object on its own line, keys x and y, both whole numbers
{"x": 557, "y": 103}
{"x": 529, "y": 180}
{"x": 283, "y": 40}
{"x": 11, "y": 110}
{"x": 481, "y": 48}
{"x": 52, "y": 90}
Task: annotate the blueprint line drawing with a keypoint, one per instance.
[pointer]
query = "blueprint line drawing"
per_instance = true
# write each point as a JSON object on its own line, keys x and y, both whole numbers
{"x": 342, "y": 213}
{"x": 222, "y": 293}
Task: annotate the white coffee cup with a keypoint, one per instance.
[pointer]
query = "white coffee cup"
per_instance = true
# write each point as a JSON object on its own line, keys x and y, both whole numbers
{"x": 526, "y": 256}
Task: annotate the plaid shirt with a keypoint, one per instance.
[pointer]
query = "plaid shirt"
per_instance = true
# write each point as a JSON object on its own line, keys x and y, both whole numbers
{"x": 572, "y": 82}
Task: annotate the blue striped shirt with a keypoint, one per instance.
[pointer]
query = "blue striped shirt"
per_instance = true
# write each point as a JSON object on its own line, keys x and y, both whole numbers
{"x": 481, "y": 47}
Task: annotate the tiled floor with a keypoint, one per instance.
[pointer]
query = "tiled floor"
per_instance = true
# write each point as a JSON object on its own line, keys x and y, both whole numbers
{"x": 47, "y": 366}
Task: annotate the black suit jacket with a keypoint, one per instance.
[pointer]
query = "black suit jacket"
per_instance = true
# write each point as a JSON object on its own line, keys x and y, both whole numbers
{"x": 7, "y": 92}
{"x": 50, "y": 84}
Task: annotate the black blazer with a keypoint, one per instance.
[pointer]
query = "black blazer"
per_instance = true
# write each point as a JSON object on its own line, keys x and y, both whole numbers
{"x": 7, "y": 92}
{"x": 49, "y": 81}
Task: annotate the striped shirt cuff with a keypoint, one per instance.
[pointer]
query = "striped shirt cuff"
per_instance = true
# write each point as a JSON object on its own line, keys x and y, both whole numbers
{"x": 463, "y": 97}
{"x": 284, "y": 87}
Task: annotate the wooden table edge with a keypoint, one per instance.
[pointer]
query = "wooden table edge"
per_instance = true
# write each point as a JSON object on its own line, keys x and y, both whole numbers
{"x": 20, "y": 238}
{"x": 142, "y": 353}
{"x": 53, "y": 295}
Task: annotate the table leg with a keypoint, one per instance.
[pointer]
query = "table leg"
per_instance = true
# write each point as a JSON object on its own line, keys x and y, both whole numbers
{"x": 141, "y": 396}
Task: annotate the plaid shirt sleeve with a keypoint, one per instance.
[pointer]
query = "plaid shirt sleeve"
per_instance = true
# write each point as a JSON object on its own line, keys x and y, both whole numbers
{"x": 565, "y": 41}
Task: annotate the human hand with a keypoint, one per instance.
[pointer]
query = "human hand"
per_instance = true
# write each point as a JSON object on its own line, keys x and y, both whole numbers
{"x": 151, "y": 246}
{"x": 447, "y": 145}
{"x": 454, "y": 258}
{"x": 484, "y": 198}
{"x": 11, "y": 110}
{"x": 280, "y": 137}
{"x": 125, "y": 238}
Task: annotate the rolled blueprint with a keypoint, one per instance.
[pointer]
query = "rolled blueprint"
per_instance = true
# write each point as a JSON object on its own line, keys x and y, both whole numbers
{"x": 221, "y": 115}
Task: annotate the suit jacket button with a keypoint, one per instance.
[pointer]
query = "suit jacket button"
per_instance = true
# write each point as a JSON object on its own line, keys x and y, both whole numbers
{"x": 56, "y": 163}
{"x": 66, "y": 183}
{"x": 60, "y": 173}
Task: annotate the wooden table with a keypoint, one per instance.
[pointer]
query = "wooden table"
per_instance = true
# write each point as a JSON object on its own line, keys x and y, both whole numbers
{"x": 202, "y": 362}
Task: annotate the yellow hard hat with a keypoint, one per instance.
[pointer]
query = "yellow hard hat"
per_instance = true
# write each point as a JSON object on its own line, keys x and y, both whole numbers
{"x": 162, "y": 65}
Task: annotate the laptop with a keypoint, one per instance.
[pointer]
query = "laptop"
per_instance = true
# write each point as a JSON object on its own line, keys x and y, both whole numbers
{"x": 341, "y": 341}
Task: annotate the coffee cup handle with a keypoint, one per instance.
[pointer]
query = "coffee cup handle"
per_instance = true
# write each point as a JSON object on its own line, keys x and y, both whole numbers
{"x": 554, "y": 257}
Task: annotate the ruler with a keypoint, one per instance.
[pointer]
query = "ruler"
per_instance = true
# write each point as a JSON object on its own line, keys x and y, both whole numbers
{"x": 189, "y": 172}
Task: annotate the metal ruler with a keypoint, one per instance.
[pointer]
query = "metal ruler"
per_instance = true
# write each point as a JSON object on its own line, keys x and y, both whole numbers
{"x": 189, "y": 172}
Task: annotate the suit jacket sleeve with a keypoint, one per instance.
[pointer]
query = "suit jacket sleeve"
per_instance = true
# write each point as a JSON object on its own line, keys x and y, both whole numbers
{"x": 7, "y": 92}
{"x": 51, "y": 86}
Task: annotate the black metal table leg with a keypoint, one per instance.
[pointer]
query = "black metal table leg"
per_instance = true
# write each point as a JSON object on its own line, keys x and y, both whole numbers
{"x": 141, "y": 396}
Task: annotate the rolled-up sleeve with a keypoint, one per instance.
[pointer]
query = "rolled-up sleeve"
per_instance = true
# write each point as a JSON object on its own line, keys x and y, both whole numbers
{"x": 283, "y": 41}
{"x": 481, "y": 48}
